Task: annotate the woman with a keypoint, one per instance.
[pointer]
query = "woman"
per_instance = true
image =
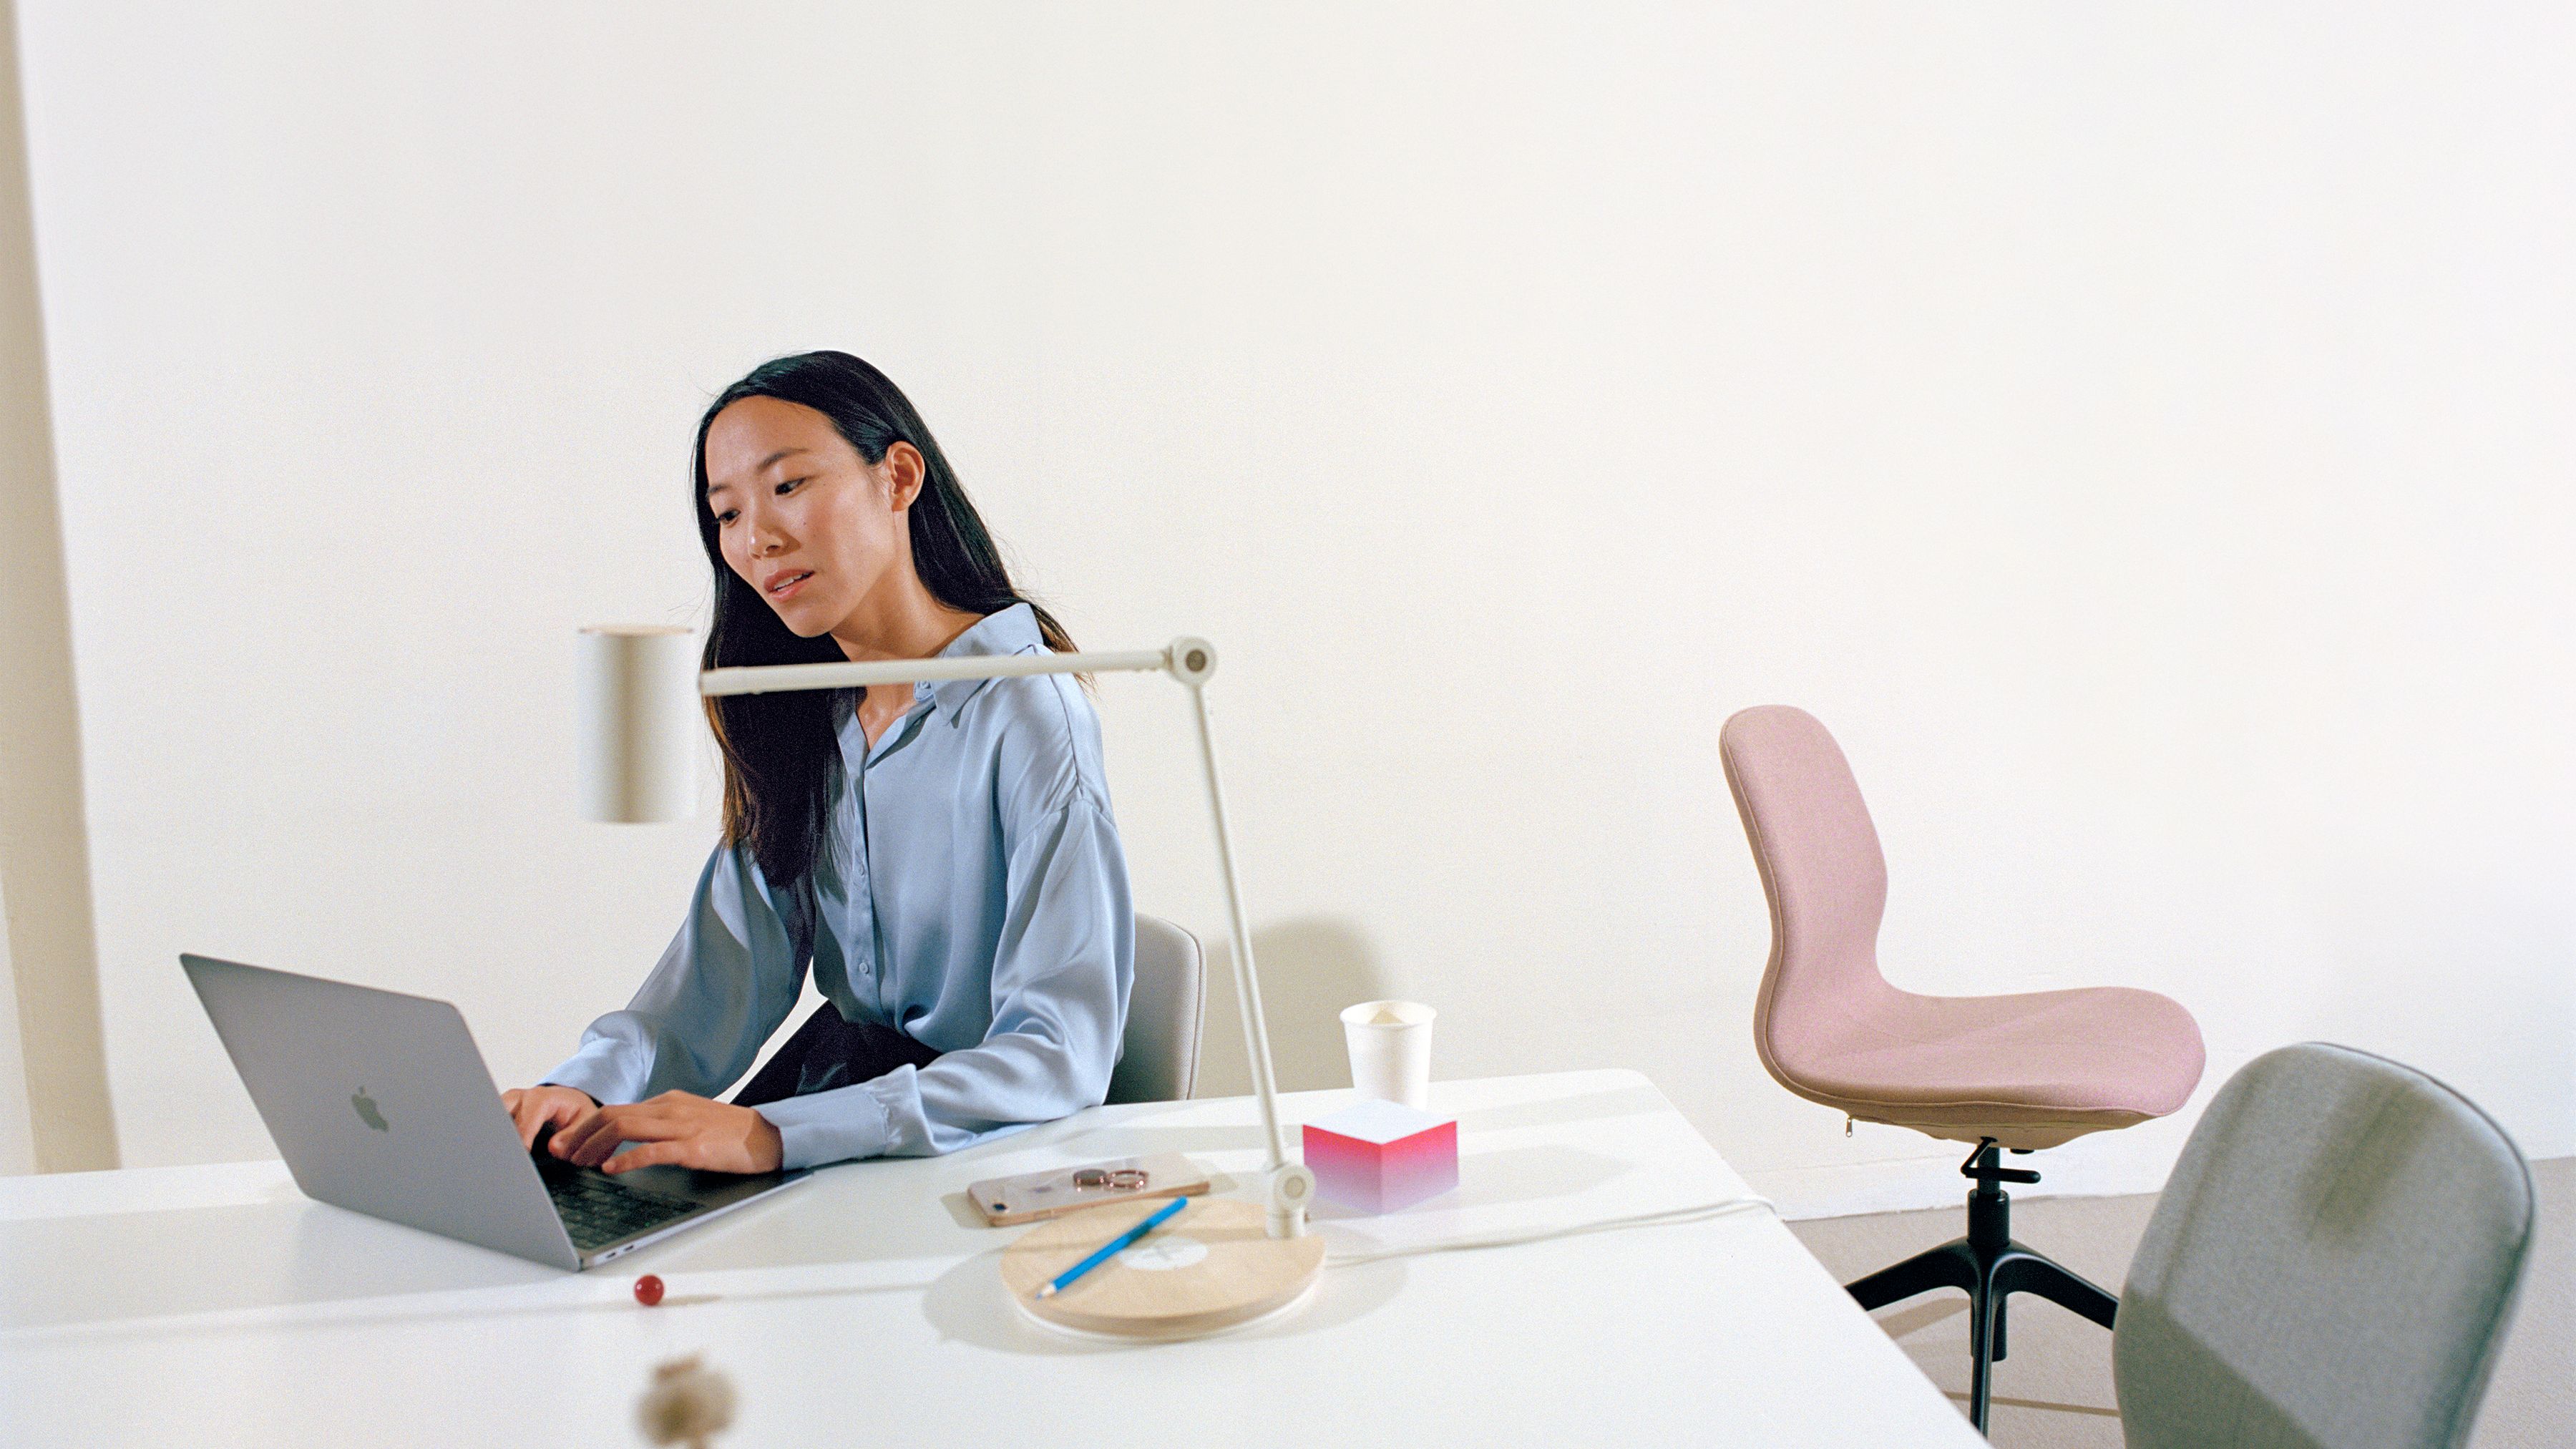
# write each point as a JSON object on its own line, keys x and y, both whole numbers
{"x": 942, "y": 856}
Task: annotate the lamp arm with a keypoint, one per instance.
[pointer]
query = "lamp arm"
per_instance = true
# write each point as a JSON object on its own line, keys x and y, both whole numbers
{"x": 780, "y": 678}
{"x": 1290, "y": 1185}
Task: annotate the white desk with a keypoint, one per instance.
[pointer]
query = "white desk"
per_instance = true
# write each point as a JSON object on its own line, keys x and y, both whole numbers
{"x": 215, "y": 1305}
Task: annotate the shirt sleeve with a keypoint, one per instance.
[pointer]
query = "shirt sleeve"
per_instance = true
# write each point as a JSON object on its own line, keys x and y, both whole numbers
{"x": 1061, "y": 974}
{"x": 730, "y": 976}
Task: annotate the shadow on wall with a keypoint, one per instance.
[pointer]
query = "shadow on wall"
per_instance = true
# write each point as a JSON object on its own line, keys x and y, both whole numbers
{"x": 1311, "y": 967}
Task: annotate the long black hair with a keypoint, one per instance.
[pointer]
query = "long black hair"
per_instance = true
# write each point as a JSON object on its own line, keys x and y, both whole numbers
{"x": 780, "y": 749}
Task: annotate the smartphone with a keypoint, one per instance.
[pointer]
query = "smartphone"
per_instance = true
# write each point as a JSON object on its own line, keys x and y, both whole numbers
{"x": 1034, "y": 1195}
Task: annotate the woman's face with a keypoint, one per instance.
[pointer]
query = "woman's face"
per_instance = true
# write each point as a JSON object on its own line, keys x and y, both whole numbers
{"x": 800, "y": 516}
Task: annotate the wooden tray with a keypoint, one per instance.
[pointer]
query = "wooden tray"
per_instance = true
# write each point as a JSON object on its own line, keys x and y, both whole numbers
{"x": 1212, "y": 1266}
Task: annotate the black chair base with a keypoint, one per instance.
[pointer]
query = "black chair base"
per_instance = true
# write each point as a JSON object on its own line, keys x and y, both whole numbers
{"x": 1988, "y": 1266}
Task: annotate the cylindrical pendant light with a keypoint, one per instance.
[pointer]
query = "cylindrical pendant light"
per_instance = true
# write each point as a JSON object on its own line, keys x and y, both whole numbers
{"x": 637, "y": 717}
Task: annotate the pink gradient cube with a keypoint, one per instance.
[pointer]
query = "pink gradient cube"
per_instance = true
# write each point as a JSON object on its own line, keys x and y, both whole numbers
{"x": 1381, "y": 1156}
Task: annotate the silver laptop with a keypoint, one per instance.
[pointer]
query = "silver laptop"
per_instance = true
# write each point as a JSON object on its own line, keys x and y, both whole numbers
{"x": 380, "y": 1104}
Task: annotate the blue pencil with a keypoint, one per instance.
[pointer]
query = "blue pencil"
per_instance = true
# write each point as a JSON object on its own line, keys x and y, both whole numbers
{"x": 1112, "y": 1248}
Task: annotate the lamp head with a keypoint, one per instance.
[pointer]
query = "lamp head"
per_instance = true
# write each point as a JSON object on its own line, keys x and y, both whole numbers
{"x": 636, "y": 711}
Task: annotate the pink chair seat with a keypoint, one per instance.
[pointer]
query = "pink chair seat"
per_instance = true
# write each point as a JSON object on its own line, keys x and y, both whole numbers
{"x": 2029, "y": 1071}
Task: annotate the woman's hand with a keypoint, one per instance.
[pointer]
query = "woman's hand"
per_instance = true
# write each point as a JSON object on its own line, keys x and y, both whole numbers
{"x": 535, "y": 1109}
{"x": 674, "y": 1127}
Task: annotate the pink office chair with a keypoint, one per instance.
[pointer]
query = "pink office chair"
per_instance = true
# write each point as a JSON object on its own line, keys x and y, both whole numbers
{"x": 2010, "y": 1073}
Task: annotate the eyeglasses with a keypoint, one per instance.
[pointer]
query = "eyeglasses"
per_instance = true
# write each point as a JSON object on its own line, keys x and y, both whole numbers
{"x": 1124, "y": 1179}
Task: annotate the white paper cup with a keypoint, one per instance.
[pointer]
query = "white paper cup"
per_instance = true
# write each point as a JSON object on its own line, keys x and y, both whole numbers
{"x": 1391, "y": 1050}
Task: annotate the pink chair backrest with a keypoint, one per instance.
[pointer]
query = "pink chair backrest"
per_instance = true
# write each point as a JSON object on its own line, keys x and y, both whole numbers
{"x": 1822, "y": 868}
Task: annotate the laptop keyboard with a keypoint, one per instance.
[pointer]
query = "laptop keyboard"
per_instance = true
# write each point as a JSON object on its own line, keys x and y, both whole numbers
{"x": 598, "y": 1211}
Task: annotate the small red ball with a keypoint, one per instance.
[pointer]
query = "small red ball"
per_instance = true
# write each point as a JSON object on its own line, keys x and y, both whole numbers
{"x": 648, "y": 1290}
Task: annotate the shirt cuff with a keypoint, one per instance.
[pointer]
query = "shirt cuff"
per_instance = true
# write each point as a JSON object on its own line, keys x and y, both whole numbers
{"x": 832, "y": 1126}
{"x": 597, "y": 1070}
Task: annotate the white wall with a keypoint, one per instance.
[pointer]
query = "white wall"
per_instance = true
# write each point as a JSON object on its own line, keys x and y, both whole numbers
{"x": 2141, "y": 435}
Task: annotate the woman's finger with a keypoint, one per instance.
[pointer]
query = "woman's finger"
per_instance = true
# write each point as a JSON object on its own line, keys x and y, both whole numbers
{"x": 680, "y": 1150}
{"x": 617, "y": 1126}
{"x": 570, "y": 1141}
{"x": 537, "y": 1113}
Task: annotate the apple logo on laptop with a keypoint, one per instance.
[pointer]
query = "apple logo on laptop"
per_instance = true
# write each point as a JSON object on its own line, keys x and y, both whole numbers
{"x": 367, "y": 1112}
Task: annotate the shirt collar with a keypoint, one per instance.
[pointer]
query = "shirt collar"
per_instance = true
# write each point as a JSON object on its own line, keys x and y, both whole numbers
{"x": 1012, "y": 631}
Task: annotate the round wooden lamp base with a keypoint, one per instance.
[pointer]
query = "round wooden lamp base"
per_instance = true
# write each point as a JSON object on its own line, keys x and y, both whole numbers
{"x": 1213, "y": 1266}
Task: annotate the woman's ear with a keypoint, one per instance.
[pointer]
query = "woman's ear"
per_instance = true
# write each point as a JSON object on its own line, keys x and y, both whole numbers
{"x": 903, "y": 470}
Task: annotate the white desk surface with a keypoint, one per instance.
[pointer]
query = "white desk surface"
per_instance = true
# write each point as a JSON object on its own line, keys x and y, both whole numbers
{"x": 217, "y": 1305}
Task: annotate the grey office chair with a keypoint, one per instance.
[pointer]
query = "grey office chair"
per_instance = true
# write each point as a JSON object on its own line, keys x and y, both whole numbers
{"x": 2332, "y": 1264}
{"x": 1160, "y": 1059}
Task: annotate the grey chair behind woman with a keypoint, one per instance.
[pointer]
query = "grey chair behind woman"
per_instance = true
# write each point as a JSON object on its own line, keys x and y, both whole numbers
{"x": 2332, "y": 1265}
{"x": 1165, "y": 1010}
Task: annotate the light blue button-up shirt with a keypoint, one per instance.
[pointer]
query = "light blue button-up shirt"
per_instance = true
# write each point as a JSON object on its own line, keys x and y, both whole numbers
{"x": 975, "y": 899}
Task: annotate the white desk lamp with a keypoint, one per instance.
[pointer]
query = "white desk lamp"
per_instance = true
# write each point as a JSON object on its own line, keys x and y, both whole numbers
{"x": 638, "y": 740}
